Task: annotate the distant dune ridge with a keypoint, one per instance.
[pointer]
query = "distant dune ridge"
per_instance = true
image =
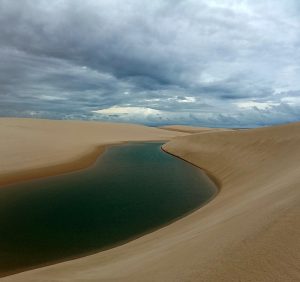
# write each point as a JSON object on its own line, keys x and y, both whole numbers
{"x": 191, "y": 129}
{"x": 249, "y": 232}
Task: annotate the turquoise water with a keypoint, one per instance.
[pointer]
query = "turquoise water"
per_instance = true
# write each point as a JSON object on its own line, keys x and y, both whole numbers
{"x": 131, "y": 190}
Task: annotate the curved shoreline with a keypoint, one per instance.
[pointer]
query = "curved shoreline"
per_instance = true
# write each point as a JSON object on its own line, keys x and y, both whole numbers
{"x": 89, "y": 161}
{"x": 250, "y": 232}
{"x": 217, "y": 182}
{"x": 84, "y": 161}
{"x": 32, "y": 148}
{"x": 70, "y": 166}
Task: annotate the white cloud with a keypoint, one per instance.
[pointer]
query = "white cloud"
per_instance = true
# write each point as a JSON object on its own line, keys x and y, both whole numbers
{"x": 294, "y": 100}
{"x": 133, "y": 111}
{"x": 258, "y": 105}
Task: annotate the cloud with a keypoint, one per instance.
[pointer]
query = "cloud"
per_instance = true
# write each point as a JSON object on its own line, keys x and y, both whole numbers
{"x": 115, "y": 110}
{"x": 226, "y": 62}
{"x": 258, "y": 105}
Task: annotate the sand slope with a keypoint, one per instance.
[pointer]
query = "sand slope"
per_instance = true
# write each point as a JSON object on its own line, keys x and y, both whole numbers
{"x": 258, "y": 209}
{"x": 249, "y": 232}
{"x": 31, "y": 148}
{"x": 191, "y": 129}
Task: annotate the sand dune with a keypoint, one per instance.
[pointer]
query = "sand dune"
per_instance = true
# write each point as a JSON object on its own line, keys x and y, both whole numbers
{"x": 256, "y": 214}
{"x": 32, "y": 148}
{"x": 191, "y": 129}
{"x": 249, "y": 232}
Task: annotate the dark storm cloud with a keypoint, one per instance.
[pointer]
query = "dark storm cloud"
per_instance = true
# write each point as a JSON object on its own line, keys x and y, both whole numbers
{"x": 107, "y": 37}
{"x": 203, "y": 62}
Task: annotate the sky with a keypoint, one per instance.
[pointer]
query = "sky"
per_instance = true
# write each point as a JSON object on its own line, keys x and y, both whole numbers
{"x": 222, "y": 63}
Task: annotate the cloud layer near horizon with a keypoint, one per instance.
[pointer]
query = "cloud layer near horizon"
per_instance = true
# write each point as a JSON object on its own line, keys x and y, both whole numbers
{"x": 215, "y": 63}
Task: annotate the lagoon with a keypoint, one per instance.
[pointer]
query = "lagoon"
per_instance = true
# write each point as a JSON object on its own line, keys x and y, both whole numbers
{"x": 131, "y": 190}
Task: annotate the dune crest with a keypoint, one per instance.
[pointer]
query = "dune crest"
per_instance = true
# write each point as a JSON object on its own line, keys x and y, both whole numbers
{"x": 191, "y": 129}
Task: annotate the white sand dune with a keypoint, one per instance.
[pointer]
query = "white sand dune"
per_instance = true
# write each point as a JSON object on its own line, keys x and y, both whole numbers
{"x": 249, "y": 232}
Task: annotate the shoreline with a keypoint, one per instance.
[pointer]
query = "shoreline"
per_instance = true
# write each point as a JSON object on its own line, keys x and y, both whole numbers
{"x": 89, "y": 161}
{"x": 250, "y": 231}
{"x": 69, "y": 166}
{"x": 217, "y": 182}
{"x": 33, "y": 148}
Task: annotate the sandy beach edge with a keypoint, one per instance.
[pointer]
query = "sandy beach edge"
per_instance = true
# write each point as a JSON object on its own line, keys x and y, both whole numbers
{"x": 82, "y": 162}
{"x": 217, "y": 182}
{"x": 68, "y": 166}
{"x": 33, "y": 148}
{"x": 85, "y": 162}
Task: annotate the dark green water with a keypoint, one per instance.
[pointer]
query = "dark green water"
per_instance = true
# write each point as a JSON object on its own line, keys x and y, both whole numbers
{"x": 132, "y": 189}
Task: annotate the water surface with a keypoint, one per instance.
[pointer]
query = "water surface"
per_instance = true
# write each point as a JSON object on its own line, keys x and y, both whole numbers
{"x": 131, "y": 190}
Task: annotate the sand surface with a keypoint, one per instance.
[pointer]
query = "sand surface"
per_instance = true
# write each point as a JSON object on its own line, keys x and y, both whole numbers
{"x": 249, "y": 232}
{"x": 32, "y": 148}
{"x": 192, "y": 129}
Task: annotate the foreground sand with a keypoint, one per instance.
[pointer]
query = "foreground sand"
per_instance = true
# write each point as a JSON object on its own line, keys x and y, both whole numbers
{"x": 249, "y": 232}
